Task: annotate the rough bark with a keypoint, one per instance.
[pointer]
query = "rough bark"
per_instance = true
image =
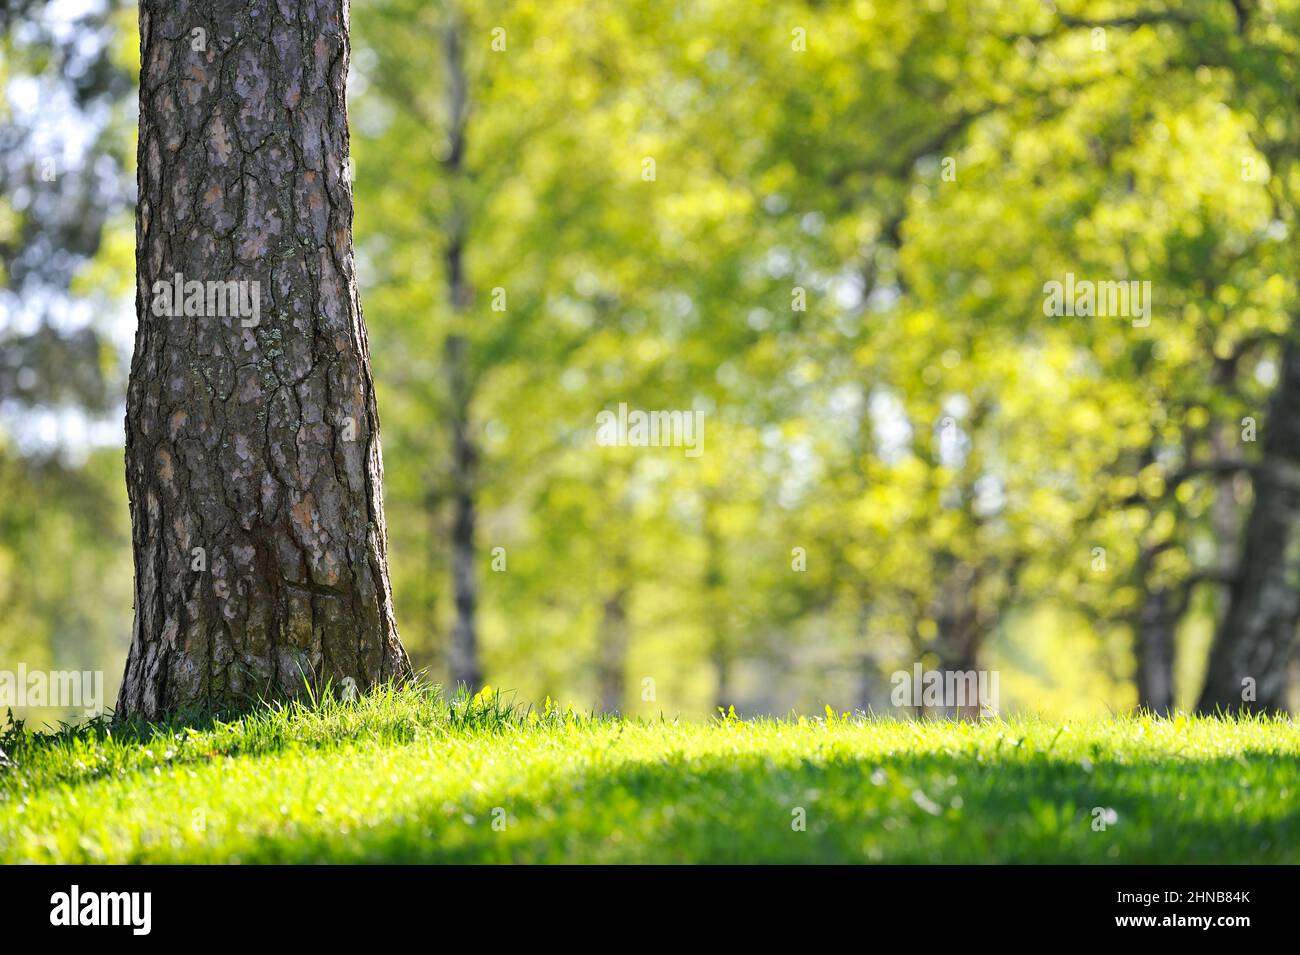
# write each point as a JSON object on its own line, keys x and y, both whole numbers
{"x": 1257, "y": 635}
{"x": 253, "y": 462}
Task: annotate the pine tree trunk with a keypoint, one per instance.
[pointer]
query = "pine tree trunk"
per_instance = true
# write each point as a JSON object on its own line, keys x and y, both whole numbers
{"x": 1248, "y": 663}
{"x": 252, "y": 450}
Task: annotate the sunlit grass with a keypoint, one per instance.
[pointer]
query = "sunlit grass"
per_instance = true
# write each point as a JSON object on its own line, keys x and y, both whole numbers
{"x": 402, "y": 775}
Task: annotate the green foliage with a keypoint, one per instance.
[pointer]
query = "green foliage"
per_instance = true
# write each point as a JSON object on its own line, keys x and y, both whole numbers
{"x": 997, "y": 150}
{"x": 947, "y": 458}
{"x": 63, "y": 536}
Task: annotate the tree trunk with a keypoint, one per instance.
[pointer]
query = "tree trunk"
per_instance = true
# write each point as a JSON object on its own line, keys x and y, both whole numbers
{"x": 1156, "y": 626}
{"x": 464, "y": 571}
{"x": 1255, "y": 640}
{"x": 868, "y": 668}
{"x": 612, "y": 652}
{"x": 253, "y": 463}
{"x": 614, "y": 634}
{"x": 466, "y": 669}
{"x": 958, "y": 648}
{"x": 962, "y": 631}
{"x": 1225, "y": 518}
{"x": 721, "y": 654}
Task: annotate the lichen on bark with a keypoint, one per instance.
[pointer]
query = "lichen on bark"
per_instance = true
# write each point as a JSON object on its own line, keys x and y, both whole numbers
{"x": 252, "y": 449}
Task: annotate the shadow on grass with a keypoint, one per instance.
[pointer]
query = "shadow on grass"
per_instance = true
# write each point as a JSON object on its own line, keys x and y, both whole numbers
{"x": 82, "y": 754}
{"x": 908, "y": 809}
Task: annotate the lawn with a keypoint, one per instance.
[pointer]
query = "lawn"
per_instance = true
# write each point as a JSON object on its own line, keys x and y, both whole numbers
{"x": 404, "y": 776}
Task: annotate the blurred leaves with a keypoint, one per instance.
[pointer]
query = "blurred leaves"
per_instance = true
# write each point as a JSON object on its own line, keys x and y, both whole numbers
{"x": 947, "y": 457}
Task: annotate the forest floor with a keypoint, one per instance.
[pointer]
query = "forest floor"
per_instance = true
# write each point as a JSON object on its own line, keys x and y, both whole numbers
{"x": 404, "y": 776}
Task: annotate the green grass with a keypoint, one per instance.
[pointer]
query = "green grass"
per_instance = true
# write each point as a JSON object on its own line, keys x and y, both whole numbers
{"x": 404, "y": 776}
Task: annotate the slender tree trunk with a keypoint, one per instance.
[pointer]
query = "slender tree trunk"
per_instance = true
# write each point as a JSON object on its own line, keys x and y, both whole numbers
{"x": 253, "y": 463}
{"x": 612, "y": 652}
{"x": 863, "y": 446}
{"x": 1225, "y": 519}
{"x": 958, "y": 650}
{"x": 1224, "y": 516}
{"x": 962, "y": 631}
{"x": 465, "y": 667}
{"x": 722, "y": 664}
{"x": 614, "y": 636}
{"x": 715, "y": 615}
{"x": 868, "y": 669}
{"x": 1156, "y": 627}
{"x": 1257, "y": 635}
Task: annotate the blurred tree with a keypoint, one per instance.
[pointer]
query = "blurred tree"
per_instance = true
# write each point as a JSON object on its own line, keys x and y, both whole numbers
{"x": 61, "y": 183}
{"x": 827, "y": 226}
{"x": 1247, "y": 50}
{"x": 65, "y": 152}
{"x": 510, "y": 244}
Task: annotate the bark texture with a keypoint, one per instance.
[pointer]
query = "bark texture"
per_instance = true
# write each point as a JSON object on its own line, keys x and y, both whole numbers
{"x": 1255, "y": 640}
{"x": 252, "y": 452}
